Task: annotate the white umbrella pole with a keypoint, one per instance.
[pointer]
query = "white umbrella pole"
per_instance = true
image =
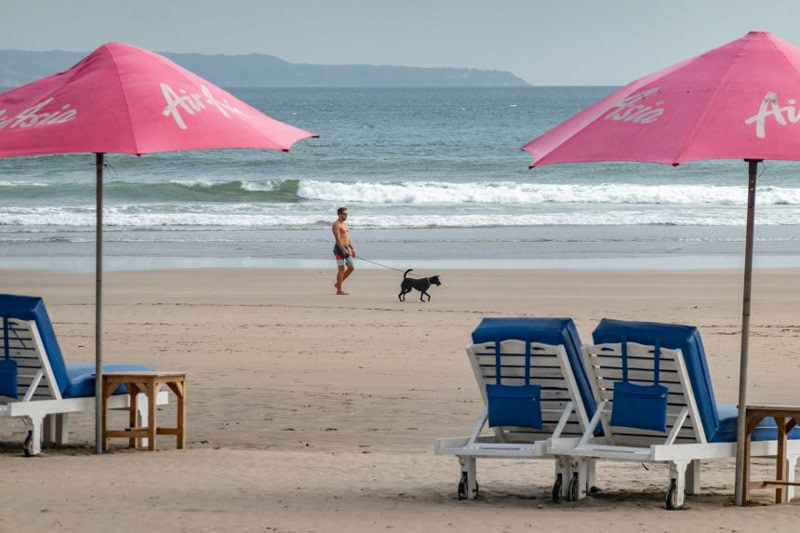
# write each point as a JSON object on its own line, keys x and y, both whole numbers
{"x": 98, "y": 312}
{"x": 748, "y": 275}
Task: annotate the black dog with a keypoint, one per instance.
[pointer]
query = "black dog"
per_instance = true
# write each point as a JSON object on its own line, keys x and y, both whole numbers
{"x": 421, "y": 284}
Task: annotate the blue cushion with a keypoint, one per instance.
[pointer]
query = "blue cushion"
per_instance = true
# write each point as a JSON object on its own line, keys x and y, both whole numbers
{"x": 81, "y": 378}
{"x": 728, "y": 417}
{"x": 555, "y": 331}
{"x": 672, "y": 336}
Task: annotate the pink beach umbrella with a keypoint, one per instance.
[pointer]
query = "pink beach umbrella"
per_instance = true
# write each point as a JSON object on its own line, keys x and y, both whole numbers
{"x": 738, "y": 101}
{"x": 127, "y": 100}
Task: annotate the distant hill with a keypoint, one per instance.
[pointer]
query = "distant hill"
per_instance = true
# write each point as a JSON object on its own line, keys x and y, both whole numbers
{"x": 18, "y": 67}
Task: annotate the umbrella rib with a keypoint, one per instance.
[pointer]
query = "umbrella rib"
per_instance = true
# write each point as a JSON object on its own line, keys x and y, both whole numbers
{"x": 127, "y": 103}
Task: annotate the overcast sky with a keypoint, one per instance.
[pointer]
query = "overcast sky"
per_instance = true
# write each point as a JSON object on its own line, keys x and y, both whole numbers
{"x": 547, "y": 42}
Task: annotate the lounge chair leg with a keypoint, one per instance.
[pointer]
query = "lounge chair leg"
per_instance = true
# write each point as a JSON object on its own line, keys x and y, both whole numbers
{"x": 62, "y": 428}
{"x": 791, "y": 464}
{"x": 677, "y": 488}
{"x": 49, "y": 429}
{"x": 468, "y": 485}
{"x": 33, "y": 443}
{"x": 562, "y": 477}
{"x": 693, "y": 477}
{"x": 144, "y": 420}
{"x": 574, "y": 478}
{"x": 582, "y": 468}
{"x": 591, "y": 477}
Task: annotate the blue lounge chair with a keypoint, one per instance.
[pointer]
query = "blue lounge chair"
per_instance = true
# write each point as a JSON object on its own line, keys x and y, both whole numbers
{"x": 36, "y": 384}
{"x": 534, "y": 388}
{"x": 655, "y": 403}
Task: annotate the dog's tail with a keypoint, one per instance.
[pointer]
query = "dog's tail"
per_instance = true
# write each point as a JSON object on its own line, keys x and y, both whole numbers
{"x": 406, "y": 272}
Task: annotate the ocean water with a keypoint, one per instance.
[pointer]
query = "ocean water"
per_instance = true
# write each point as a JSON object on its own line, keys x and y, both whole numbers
{"x": 433, "y": 178}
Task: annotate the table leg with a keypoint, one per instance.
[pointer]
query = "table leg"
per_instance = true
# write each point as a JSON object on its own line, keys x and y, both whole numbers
{"x": 178, "y": 387}
{"x": 182, "y": 415}
{"x": 132, "y": 394}
{"x": 780, "y": 492}
{"x": 151, "y": 412}
{"x": 106, "y": 391}
{"x": 746, "y": 466}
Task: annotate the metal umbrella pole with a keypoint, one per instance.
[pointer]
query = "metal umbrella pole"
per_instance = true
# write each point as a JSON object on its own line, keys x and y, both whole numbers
{"x": 748, "y": 275}
{"x": 98, "y": 311}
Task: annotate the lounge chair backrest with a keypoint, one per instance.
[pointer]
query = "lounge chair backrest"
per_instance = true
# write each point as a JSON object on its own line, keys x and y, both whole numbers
{"x": 606, "y": 363}
{"x": 25, "y": 349}
{"x": 547, "y": 338}
{"x": 672, "y": 336}
{"x": 27, "y": 314}
{"x": 545, "y": 371}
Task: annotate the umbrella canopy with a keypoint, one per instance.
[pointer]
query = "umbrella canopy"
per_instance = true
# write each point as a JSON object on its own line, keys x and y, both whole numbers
{"x": 738, "y": 101}
{"x": 123, "y": 99}
{"x": 127, "y": 100}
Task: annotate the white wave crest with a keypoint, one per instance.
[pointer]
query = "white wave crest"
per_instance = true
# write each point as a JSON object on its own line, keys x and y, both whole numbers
{"x": 246, "y": 185}
{"x": 22, "y": 184}
{"x": 429, "y": 192}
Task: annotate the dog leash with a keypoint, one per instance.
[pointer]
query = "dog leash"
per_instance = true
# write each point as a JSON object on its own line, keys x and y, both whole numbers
{"x": 360, "y": 258}
{"x": 379, "y": 264}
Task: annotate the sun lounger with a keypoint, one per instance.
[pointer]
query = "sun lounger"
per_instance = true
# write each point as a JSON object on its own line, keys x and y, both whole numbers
{"x": 36, "y": 384}
{"x": 655, "y": 403}
{"x": 554, "y": 400}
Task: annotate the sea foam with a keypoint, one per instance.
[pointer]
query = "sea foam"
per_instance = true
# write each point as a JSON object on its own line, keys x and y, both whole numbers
{"x": 504, "y": 192}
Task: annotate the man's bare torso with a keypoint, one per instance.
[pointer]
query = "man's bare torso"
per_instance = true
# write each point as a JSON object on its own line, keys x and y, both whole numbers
{"x": 341, "y": 233}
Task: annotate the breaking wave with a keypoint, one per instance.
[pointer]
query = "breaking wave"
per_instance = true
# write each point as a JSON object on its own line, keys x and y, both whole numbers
{"x": 407, "y": 192}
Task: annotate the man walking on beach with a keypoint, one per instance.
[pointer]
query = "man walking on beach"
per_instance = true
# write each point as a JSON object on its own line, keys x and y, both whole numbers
{"x": 343, "y": 250}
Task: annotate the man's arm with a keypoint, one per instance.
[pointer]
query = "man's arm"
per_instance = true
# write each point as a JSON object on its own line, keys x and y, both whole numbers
{"x": 350, "y": 244}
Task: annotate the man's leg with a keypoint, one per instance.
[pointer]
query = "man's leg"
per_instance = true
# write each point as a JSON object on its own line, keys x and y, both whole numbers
{"x": 343, "y": 276}
{"x": 339, "y": 279}
{"x": 349, "y": 271}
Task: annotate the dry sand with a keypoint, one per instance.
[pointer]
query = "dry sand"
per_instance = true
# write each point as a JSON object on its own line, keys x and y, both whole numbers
{"x": 312, "y": 412}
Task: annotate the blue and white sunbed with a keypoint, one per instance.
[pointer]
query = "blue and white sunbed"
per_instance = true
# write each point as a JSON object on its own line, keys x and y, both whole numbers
{"x": 534, "y": 388}
{"x": 36, "y": 385}
{"x": 655, "y": 403}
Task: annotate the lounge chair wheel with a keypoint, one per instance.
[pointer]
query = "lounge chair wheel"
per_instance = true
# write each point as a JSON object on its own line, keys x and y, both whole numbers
{"x": 27, "y": 446}
{"x": 574, "y": 489}
{"x": 672, "y": 497}
{"x": 556, "y": 494}
{"x": 462, "y": 487}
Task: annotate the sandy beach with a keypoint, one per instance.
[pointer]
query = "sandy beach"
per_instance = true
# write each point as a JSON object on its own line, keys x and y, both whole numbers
{"x": 311, "y": 412}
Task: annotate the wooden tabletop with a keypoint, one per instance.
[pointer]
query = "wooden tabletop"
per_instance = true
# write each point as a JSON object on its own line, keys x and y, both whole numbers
{"x": 143, "y": 373}
{"x": 770, "y": 410}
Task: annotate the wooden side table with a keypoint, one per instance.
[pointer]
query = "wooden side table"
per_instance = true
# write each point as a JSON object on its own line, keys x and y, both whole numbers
{"x": 149, "y": 383}
{"x": 786, "y": 418}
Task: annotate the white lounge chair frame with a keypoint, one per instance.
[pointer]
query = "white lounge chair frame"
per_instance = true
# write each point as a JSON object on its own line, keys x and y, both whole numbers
{"x": 563, "y": 413}
{"x": 41, "y": 407}
{"x": 684, "y": 443}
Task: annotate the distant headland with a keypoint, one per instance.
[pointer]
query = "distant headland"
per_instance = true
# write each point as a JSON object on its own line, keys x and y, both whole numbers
{"x": 18, "y": 67}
